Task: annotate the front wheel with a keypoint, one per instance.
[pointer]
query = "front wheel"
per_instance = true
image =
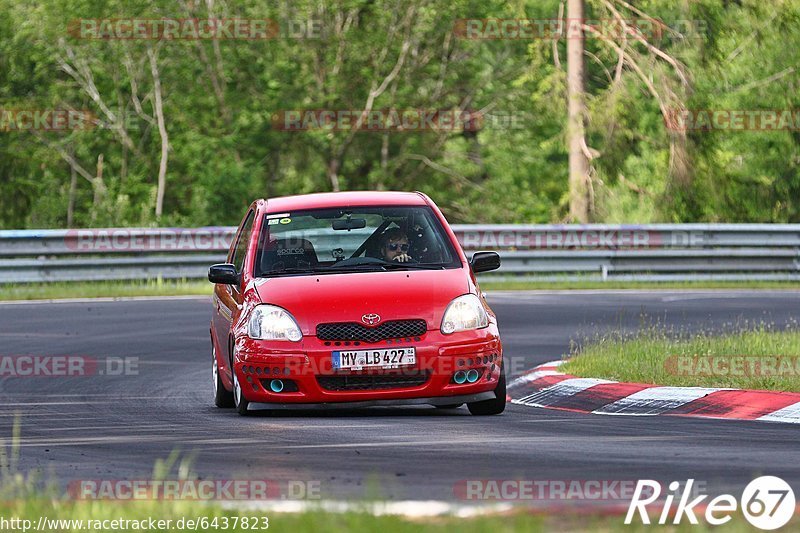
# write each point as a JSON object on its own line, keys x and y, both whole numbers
{"x": 222, "y": 397}
{"x": 495, "y": 406}
{"x": 238, "y": 397}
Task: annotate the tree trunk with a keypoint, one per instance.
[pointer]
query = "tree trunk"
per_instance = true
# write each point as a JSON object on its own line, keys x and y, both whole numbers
{"x": 162, "y": 132}
{"x": 333, "y": 173}
{"x": 73, "y": 187}
{"x": 578, "y": 163}
{"x": 99, "y": 188}
{"x": 384, "y": 175}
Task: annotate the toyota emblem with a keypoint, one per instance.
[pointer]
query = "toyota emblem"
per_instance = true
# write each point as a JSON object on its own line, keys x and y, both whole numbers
{"x": 370, "y": 319}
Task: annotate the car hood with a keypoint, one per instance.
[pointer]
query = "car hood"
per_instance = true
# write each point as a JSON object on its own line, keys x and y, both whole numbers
{"x": 347, "y": 297}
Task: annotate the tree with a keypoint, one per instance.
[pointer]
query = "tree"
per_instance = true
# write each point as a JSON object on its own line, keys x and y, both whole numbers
{"x": 579, "y": 204}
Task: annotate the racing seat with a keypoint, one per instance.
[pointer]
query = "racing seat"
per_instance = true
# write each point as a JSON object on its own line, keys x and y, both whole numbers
{"x": 288, "y": 253}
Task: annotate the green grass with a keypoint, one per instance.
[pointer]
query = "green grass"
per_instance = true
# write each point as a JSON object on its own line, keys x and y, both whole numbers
{"x": 121, "y": 289}
{"x": 313, "y": 521}
{"x": 345, "y": 522}
{"x": 310, "y": 521}
{"x": 103, "y": 289}
{"x": 660, "y": 356}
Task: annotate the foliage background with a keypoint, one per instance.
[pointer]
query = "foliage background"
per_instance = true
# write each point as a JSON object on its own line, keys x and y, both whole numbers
{"x": 219, "y": 99}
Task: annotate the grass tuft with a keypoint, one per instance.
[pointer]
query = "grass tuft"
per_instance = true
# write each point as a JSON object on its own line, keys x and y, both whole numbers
{"x": 754, "y": 356}
{"x": 159, "y": 287}
{"x": 103, "y": 289}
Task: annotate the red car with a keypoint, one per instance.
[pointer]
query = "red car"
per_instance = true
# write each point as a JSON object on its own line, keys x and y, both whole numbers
{"x": 353, "y": 299}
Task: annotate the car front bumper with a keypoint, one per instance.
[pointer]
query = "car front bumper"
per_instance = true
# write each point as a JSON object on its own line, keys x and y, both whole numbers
{"x": 305, "y": 370}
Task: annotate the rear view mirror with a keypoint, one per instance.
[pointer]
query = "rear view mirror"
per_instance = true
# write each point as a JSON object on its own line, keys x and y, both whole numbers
{"x": 350, "y": 223}
{"x": 484, "y": 261}
{"x": 223, "y": 273}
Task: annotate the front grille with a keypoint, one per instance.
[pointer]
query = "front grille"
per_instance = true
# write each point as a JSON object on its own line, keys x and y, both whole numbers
{"x": 348, "y": 383}
{"x": 353, "y": 331}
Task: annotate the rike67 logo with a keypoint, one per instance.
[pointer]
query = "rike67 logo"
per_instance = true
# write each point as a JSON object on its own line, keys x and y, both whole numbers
{"x": 767, "y": 503}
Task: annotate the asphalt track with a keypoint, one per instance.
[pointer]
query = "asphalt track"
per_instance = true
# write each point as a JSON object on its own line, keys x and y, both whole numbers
{"x": 116, "y": 427}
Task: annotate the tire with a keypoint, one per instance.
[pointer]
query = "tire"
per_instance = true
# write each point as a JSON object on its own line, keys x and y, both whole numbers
{"x": 495, "y": 406}
{"x": 449, "y": 406}
{"x": 239, "y": 400}
{"x": 223, "y": 398}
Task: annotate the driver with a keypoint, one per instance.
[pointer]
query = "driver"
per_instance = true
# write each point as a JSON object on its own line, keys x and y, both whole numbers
{"x": 394, "y": 246}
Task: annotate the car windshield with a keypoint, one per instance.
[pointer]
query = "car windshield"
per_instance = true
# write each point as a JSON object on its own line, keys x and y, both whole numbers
{"x": 353, "y": 239}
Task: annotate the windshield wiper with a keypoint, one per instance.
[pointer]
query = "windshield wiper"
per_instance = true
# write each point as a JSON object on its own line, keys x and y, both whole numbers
{"x": 415, "y": 266}
{"x": 393, "y": 265}
{"x": 355, "y": 268}
{"x": 373, "y": 266}
{"x": 363, "y": 267}
{"x": 292, "y": 270}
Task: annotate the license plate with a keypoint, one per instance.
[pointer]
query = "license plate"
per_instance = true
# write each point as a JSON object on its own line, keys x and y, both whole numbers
{"x": 360, "y": 359}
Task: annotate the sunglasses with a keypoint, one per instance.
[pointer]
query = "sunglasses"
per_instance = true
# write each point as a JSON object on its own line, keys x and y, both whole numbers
{"x": 394, "y": 247}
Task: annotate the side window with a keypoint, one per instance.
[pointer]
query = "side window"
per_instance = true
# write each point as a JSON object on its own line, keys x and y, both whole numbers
{"x": 244, "y": 240}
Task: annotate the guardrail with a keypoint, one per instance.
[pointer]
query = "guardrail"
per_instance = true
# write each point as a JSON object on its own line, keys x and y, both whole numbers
{"x": 544, "y": 252}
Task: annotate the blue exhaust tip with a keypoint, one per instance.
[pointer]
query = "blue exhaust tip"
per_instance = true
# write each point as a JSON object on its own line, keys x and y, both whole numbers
{"x": 276, "y": 385}
{"x": 472, "y": 376}
{"x": 460, "y": 377}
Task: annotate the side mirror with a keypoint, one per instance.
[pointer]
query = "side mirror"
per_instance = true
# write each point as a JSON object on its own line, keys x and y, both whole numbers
{"x": 484, "y": 261}
{"x": 224, "y": 273}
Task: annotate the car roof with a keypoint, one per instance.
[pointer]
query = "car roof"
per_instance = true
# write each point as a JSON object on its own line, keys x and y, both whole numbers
{"x": 343, "y": 199}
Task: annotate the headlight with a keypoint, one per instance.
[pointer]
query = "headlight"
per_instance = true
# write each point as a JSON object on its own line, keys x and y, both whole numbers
{"x": 268, "y": 322}
{"x": 463, "y": 313}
